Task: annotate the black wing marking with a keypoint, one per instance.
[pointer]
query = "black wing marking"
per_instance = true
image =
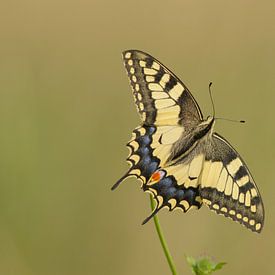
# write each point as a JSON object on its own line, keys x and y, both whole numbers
{"x": 177, "y": 188}
{"x": 161, "y": 98}
{"x": 141, "y": 159}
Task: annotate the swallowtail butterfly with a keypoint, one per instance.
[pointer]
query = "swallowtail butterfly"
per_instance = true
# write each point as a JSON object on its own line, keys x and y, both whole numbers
{"x": 176, "y": 154}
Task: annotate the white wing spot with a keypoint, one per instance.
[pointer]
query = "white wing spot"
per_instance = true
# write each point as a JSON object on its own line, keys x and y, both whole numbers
{"x": 185, "y": 204}
{"x": 143, "y": 116}
{"x": 235, "y": 193}
{"x": 258, "y": 226}
{"x": 132, "y": 70}
{"x": 135, "y": 158}
{"x": 135, "y": 172}
{"x": 176, "y": 91}
{"x": 253, "y": 208}
{"x": 173, "y": 203}
{"x": 134, "y": 78}
{"x": 156, "y": 66}
{"x": 130, "y": 62}
{"x": 253, "y": 192}
{"x": 150, "y": 78}
{"x": 142, "y": 131}
{"x": 164, "y": 103}
{"x": 150, "y": 71}
{"x": 154, "y": 191}
{"x": 159, "y": 95}
{"x": 247, "y": 198}
{"x": 142, "y": 63}
{"x": 134, "y": 144}
{"x": 216, "y": 206}
{"x": 160, "y": 200}
{"x": 206, "y": 201}
{"x": 239, "y": 216}
{"x": 242, "y": 181}
{"x": 222, "y": 180}
{"x": 228, "y": 188}
{"x": 155, "y": 87}
{"x": 234, "y": 166}
{"x": 232, "y": 212}
{"x": 205, "y": 173}
{"x": 137, "y": 87}
{"x": 165, "y": 78}
{"x": 214, "y": 173}
{"x": 241, "y": 198}
{"x": 127, "y": 55}
{"x": 139, "y": 96}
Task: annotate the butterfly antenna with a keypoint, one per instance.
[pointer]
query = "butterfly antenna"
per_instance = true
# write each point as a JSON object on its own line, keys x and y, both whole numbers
{"x": 210, "y": 93}
{"x": 231, "y": 120}
{"x": 214, "y": 112}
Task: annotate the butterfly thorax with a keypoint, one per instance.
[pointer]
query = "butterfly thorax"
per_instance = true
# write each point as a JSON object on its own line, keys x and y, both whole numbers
{"x": 190, "y": 139}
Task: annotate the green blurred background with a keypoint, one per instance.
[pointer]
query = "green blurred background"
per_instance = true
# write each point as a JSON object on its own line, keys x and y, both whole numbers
{"x": 66, "y": 112}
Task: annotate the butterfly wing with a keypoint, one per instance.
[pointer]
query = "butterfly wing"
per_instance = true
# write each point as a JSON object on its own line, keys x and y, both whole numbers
{"x": 150, "y": 148}
{"x": 167, "y": 109}
{"x": 177, "y": 185}
{"x": 161, "y": 98}
{"x": 173, "y": 186}
{"x": 227, "y": 186}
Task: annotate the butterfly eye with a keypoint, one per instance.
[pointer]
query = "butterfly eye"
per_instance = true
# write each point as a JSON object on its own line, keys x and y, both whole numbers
{"x": 157, "y": 176}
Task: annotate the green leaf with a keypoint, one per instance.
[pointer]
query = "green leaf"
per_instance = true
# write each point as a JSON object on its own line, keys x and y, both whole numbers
{"x": 219, "y": 266}
{"x": 203, "y": 266}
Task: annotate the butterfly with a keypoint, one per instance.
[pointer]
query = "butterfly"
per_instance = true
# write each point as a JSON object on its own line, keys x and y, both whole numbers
{"x": 176, "y": 154}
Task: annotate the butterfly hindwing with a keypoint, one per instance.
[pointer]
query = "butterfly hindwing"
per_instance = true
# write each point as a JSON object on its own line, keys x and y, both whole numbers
{"x": 227, "y": 186}
{"x": 161, "y": 98}
{"x": 150, "y": 148}
{"x": 176, "y": 186}
{"x": 141, "y": 159}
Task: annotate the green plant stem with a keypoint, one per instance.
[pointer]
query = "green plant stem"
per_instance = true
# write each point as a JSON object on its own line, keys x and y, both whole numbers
{"x": 162, "y": 240}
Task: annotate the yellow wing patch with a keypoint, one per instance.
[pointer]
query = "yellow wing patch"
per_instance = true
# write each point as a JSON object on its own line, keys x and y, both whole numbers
{"x": 227, "y": 187}
{"x": 161, "y": 98}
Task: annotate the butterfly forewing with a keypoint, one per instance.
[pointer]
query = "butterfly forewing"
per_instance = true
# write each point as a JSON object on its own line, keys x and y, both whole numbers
{"x": 227, "y": 186}
{"x": 161, "y": 98}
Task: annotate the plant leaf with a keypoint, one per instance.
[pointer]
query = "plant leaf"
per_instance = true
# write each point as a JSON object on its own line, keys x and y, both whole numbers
{"x": 203, "y": 266}
{"x": 219, "y": 266}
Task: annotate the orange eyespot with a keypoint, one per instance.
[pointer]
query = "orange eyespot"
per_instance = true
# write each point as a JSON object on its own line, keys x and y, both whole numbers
{"x": 157, "y": 176}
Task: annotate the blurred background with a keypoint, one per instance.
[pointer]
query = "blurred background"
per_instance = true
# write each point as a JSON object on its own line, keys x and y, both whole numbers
{"x": 66, "y": 113}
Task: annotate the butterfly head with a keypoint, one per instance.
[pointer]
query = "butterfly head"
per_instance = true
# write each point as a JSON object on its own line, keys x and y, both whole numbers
{"x": 208, "y": 122}
{"x": 209, "y": 119}
{"x": 205, "y": 127}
